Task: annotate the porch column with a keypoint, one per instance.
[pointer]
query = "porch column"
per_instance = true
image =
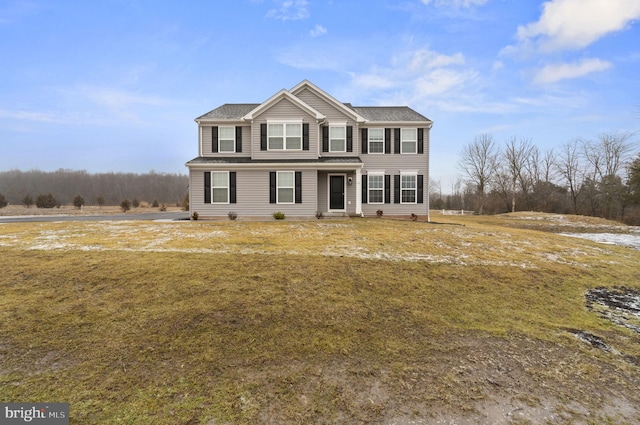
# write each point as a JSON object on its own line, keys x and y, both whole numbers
{"x": 359, "y": 191}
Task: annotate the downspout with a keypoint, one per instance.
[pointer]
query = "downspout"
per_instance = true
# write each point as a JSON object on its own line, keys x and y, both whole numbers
{"x": 428, "y": 173}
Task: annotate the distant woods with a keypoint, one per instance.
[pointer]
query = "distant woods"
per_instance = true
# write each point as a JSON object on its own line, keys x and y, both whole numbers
{"x": 68, "y": 187}
{"x": 596, "y": 177}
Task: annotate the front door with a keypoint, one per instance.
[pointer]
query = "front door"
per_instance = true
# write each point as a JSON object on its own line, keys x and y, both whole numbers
{"x": 336, "y": 192}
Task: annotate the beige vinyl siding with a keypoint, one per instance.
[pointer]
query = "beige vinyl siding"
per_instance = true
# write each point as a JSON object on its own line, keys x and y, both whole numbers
{"x": 393, "y": 164}
{"x": 287, "y": 111}
{"x": 207, "y": 140}
{"x": 333, "y": 116}
{"x": 323, "y": 191}
{"x": 252, "y": 195}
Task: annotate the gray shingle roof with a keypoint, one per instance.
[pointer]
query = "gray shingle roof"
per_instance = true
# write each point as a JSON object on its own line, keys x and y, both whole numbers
{"x": 229, "y": 111}
{"x": 389, "y": 113}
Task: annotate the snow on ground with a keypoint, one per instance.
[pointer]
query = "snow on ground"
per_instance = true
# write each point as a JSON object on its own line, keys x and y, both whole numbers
{"x": 622, "y": 239}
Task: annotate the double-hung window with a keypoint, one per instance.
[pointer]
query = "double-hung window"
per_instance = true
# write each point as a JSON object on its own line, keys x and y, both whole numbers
{"x": 408, "y": 188}
{"x": 285, "y": 187}
{"x": 220, "y": 187}
{"x": 337, "y": 138}
{"x": 376, "y": 188}
{"x": 376, "y": 140}
{"x": 227, "y": 139}
{"x": 284, "y": 136}
{"x": 409, "y": 140}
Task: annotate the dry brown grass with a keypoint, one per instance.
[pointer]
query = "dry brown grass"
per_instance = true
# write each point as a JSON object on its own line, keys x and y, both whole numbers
{"x": 359, "y": 321}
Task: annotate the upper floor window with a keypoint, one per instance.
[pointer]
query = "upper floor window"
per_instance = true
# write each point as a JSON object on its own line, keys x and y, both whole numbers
{"x": 226, "y": 139}
{"x": 409, "y": 140}
{"x": 408, "y": 188}
{"x": 337, "y": 139}
{"x": 376, "y": 140}
{"x": 285, "y": 136}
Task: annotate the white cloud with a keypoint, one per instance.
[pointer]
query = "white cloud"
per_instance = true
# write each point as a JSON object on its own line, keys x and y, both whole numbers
{"x": 455, "y": 3}
{"x": 565, "y": 71}
{"x": 290, "y": 10}
{"x": 318, "y": 30}
{"x": 575, "y": 24}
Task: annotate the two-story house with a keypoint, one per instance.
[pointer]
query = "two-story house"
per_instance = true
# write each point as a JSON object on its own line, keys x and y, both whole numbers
{"x": 302, "y": 151}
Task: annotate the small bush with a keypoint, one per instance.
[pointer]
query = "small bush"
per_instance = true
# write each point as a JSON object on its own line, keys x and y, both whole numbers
{"x": 379, "y": 213}
{"x": 46, "y": 201}
{"x": 3, "y": 201}
{"x": 195, "y": 215}
{"x": 163, "y": 207}
{"x": 414, "y": 217}
{"x": 319, "y": 214}
{"x": 278, "y": 215}
{"x": 27, "y": 201}
{"x": 232, "y": 215}
{"x": 78, "y": 201}
{"x": 125, "y": 205}
{"x": 135, "y": 203}
{"x": 155, "y": 203}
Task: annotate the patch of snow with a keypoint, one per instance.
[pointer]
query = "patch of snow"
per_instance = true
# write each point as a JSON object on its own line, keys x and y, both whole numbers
{"x": 622, "y": 239}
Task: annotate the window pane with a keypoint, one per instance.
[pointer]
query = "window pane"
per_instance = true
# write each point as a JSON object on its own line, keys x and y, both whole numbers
{"x": 219, "y": 179}
{"x": 294, "y": 130}
{"x": 220, "y": 195}
{"x": 408, "y": 181}
{"x": 285, "y": 179}
{"x": 285, "y": 195}
{"x": 226, "y": 133}
{"x": 408, "y": 196}
{"x": 409, "y": 147}
{"x": 294, "y": 142}
{"x": 227, "y": 146}
{"x": 376, "y": 147}
{"x": 337, "y": 145}
{"x": 276, "y": 130}
{"x": 276, "y": 143}
{"x": 376, "y": 135}
{"x": 376, "y": 182}
{"x": 409, "y": 134}
{"x": 337, "y": 132}
{"x": 375, "y": 196}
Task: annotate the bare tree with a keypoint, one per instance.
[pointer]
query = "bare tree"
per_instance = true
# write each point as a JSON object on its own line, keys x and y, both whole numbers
{"x": 478, "y": 161}
{"x": 569, "y": 166}
{"x": 517, "y": 156}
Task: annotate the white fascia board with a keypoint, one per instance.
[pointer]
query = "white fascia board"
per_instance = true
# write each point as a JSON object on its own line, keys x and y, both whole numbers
{"x": 278, "y": 166}
{"x": 379, "y": 124}
{"x": 308, "y": 84}
{"x": 283, "y": 94}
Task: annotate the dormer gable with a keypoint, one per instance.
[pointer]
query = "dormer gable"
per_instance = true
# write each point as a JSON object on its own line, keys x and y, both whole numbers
{"x": 308, "y": 85}
{"x": 283, "y": 94}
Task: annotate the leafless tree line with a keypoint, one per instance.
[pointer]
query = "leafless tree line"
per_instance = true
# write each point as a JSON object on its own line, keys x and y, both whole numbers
{"x": 107, "y": 188}
{"x": 599, "y": 177}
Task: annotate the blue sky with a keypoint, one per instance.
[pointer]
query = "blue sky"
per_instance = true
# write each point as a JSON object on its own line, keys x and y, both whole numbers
{"x": 114, "y": 85}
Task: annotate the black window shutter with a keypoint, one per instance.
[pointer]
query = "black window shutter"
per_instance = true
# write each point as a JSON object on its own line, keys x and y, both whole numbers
{"x": 238, "y": 139}
{"x": 263, "y": 137}
{"x": 421, "y": 140}
{"x": 349, "y": 138}
{"x": 232, "y": 187}
{"x": 325, "y": 138}
{"x": 207, "y": 187}
{"x": 214, "y": 139}
{"x": 387, "y": 189}
{"x": 365, "y": 192}
{"x": 305, "y": 136}
{"x": 364, "y": 135}
{"x": 387, "y": 140}
{"x": 420, "y": 189}
{"x": 272, "y": 187}
{"x": 396, "y": 135}
{"x": 298, "y": 189}
{"x": 396, "y": 189}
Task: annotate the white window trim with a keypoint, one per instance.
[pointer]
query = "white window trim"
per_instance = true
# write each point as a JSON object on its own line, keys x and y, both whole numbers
{"x": 227, "y": 187}
{"x": 284, "y": 134}
{"x": 292, "y": 187}
{"x": 338, "y": 125}
{"x": 369, "y": 142}
{"x": 414, "y": 174}
{"x": 220, "y": 139}
{"x": 402, "y": 141}
{"x": 369, "y": 188}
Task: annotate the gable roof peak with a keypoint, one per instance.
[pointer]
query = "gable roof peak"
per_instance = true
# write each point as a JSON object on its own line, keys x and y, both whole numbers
{"x": 283, "y": 94}
{"x": 306, "y": 84}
